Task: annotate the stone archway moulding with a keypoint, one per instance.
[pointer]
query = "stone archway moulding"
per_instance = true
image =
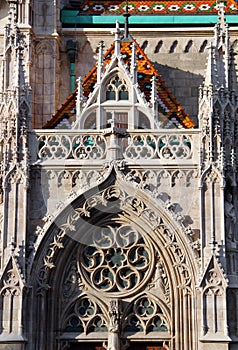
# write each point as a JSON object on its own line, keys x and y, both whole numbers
{"x": 113, "y": 197}
{"x": 107, "y": 197}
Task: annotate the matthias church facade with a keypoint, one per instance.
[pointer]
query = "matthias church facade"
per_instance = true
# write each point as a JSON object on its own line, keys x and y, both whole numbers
{"x": 118, "y": 183}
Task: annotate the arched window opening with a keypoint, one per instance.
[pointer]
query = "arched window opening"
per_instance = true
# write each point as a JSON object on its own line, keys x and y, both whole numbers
{"x": 85, "y": 316}
{"x": 123, "y": 93}
{"x": 117, "y": 89}
{"x": 110, "y": 94}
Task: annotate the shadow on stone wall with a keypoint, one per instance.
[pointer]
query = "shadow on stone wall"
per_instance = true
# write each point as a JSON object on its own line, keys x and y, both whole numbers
{"x": 184, "y": 86}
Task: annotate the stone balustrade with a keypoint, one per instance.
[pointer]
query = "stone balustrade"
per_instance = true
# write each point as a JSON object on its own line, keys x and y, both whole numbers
{"x": 164, "y": 146}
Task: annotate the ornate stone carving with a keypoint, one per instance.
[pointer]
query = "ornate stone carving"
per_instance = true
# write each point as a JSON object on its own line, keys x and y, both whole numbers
{"x": 61, "y": 146}
{"x": 85, "y": 316}
{"x": 114, "y": 325}
{"x": 10, "y": 283}
{"x": 115, "y": 257}
{"x": 230, "y": 217}
{"x": 213, "y": 282}
{"x": 160, "y": 280}
{"x": 144, "y": 146}
{"x": 119, "y": 261}
{"x": 145, "y": 315}
{"x": 72, "y": 284}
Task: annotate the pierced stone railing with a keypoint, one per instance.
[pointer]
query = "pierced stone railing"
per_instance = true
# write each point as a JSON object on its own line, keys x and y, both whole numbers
{"x": 62, "y": 145}
{"x": 165, "y": 146}
{"x": 157, "y": 146}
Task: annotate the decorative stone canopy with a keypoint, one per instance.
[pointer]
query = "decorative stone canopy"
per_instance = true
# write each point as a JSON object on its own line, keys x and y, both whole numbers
{"x": 146, "y": 79}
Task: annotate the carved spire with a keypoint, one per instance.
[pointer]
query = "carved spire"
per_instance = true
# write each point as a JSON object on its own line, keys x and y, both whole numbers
{"x": 117, "y": 39}
{"x": 100, "y": 65}
{"x": 12, "y": 14}
{"x": 134, "y": 66}
{"x": 221, "y": 36}
{"x": 218, "y": 58}
{"x": 79, "y": 104}
{"x": 154, "y": 96}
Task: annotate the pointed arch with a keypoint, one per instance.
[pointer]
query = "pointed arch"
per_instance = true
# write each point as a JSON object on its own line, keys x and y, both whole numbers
{"x": 12, "y": 284}
{"x": 117, "y": 71}
{"x": 211, "y": 174}
{"x": 151, "y": 251}
{"x": 85, "y": 314}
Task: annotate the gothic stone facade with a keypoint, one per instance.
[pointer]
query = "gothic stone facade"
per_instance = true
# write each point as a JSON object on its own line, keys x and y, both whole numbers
{"x": 114, "y": 236}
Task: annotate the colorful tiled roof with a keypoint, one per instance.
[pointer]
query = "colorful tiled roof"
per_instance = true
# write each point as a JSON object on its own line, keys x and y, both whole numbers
{"x": 167, "y": 104}
{"x": 149, "y": 7}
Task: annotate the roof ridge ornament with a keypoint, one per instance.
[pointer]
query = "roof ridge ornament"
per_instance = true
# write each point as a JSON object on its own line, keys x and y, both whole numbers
{"x": 127, "y": 37}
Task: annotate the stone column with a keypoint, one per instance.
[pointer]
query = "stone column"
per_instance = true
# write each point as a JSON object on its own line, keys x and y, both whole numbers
{"x": 114, "y": 326}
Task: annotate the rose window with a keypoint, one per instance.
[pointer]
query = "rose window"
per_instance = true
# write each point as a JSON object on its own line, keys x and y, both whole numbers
{"x": 118, "y": 261}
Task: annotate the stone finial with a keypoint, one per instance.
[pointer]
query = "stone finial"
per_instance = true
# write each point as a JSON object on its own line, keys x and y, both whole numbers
{"x": 100, "y": 65}
{"x": 117, "y": 40}
{"x": 222, "y": 44}
{"x": 221, "y": 26}
{"x": 12, "y": 14}
{"x": 134, "y": 67}
{"x": 154, "y": 95}
{"x": 79, "y": 103}
{"x": 126, "y": 37}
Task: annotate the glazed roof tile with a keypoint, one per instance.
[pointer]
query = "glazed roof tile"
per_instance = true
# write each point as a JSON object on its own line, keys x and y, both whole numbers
{"x": 149, "y": 7}
{"x": 167, "y": 104}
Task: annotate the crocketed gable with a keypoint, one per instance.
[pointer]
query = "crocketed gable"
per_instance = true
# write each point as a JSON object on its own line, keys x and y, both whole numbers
{"x": 167, "y": 104}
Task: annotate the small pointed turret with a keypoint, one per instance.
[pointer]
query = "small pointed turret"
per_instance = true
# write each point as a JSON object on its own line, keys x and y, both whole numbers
{"x": 117, "y": 39}
{"x": 221, "y": 42}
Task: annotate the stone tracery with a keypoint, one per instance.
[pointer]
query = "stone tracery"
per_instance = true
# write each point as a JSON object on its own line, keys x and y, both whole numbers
{"x": 145, "y": 315}
{"x": 118, "y": 261}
